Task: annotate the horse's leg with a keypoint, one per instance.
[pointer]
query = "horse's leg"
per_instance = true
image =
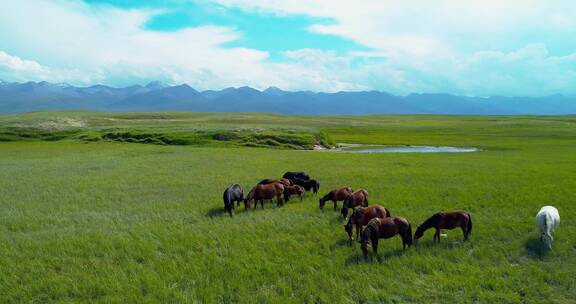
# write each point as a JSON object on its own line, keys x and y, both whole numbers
{"x": 464, "y": 231}
{"x": 437, "y": 235}
{"x": 403, "y": 241}
{"x": 374, "y": 242}
{"x": 358, "y": 228}
{"x": 335, "y": 205}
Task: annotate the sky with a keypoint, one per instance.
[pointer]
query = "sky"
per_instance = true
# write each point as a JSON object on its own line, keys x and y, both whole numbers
{"x": 464, "y": 47}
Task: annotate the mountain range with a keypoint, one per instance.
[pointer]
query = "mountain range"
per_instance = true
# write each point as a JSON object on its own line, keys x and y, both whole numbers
{"x": 156, "y": 96}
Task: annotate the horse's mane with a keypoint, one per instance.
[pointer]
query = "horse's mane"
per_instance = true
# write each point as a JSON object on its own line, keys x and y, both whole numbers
{"x": 431, "y": 220}
{"x": 367, "y": 233}
{"x": 328, "y": 196}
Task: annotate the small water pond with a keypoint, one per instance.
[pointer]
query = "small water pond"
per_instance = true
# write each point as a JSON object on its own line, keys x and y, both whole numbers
{"x": 401, "y": 149}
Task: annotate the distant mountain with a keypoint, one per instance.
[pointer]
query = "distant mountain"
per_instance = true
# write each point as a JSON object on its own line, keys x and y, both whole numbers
{"x": 157, "y": 96}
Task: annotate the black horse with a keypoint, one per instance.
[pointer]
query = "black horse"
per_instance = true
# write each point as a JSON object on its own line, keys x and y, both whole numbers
{"x": 293, "y": 175}
{"x": 232, "y": 194}
{"x": 307, "y": 184}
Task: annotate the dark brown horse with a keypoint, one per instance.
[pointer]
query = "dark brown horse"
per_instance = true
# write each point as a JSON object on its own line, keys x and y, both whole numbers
{"x": 336, "y": 195}
{"x": 267, "y": 192}
{"x": 312, "y": 184}
{"x": 293, "y": 175}
{"x": 359, "y": 197}
{"x": 385, "y": 228}
{"x": 232, "y": 194}
{"x": 283, "y": 181}
{"x": 361, "y": 216}
{"x": 296, "y": 190}
{"x": 446, "y": 220}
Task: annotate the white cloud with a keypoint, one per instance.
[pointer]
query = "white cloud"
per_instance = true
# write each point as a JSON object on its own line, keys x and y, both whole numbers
{"x": 17, "y": 69}
{"x": 454, "y": 46}
{"x": 457, "y": 46}
{"x": 112, "y": 45}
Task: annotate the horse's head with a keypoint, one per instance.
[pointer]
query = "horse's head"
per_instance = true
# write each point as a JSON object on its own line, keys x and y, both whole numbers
{"x": 344, "y": 211}
{"x": 246, "y": 203}
{"x": 348, "y": 228}
{"x": 346, "y": 205}
{"x": 365, "y": 240}
{"x": 322, "y": 202}
{"x": 418, "y": 234}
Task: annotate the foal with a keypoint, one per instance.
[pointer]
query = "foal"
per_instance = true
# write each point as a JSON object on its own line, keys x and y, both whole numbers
{"x": 311, "y": 184}
{"x": 446, "y": 220}
{"x": 297, "y": 190}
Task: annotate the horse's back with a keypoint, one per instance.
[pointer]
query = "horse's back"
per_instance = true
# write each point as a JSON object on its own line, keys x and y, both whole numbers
{"x": 547, "y": 215}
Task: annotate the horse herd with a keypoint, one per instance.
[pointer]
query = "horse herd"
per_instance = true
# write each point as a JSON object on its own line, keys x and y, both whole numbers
{"x": 372, "y": 222}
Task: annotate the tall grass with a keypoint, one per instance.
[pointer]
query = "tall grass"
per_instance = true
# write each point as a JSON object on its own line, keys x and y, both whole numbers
{"x": 118, "y": 222}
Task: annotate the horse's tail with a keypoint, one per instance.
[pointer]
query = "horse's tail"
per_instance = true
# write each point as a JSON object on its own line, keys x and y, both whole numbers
{"x": 387, "y": 212}
{"x": 409, "y": 238}
{"x": 469, "y": 228}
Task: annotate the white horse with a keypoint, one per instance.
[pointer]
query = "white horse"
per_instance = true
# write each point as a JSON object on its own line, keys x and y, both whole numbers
{"x": 547, "y": 220}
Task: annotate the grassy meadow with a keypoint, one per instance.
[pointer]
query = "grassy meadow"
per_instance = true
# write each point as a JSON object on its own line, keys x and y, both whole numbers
{"x": 86, "y": 216}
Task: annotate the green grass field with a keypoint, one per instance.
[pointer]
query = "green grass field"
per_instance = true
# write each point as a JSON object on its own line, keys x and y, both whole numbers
{"x": 89, "y": 218}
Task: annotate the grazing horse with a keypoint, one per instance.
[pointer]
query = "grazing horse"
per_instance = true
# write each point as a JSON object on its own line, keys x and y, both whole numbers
{"x": 359, "y": 197}
{"x": 267, "y": 192}
{"x": 283, "y": 181}
{"x": 446, "y": 220}
{"x": 307, "y": 184}
{"x": 361, "y": 216}
{"x": 385, "y": 228}
{"x": 293, "y": 175}
{"x": 232, "y": 194}
{"x": 336, "y": 195}
{"x": 297, "y": 190}
{"x": 547, "y": 219}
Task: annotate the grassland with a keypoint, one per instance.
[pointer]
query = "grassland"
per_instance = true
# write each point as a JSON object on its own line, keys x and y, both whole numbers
{"x": 85, "y": 218}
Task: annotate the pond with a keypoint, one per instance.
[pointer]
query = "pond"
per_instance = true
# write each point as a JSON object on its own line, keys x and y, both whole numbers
{"x": 355, "y": 148}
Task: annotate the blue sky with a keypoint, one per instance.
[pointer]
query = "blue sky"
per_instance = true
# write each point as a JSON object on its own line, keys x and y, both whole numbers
{"x": 476, "y": 48}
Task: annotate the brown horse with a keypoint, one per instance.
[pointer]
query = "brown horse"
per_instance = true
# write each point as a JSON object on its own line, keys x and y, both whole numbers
{"x": 359, "y": 197}
{"x": 297, "y": 190}
{"x": 266, "y": 192}
{"x": 446, "y": 220}
{"x": 336, "y": 195}
{"x": 283, "y": 181}
{"x": 361, "y": 216}
{"x": 385, "y": 228}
